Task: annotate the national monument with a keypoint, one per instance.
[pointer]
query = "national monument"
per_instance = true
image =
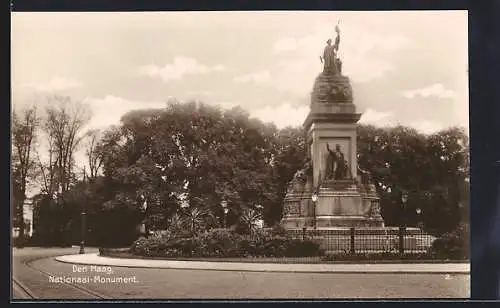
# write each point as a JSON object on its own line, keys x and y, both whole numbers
{"x": 330, "y": 190}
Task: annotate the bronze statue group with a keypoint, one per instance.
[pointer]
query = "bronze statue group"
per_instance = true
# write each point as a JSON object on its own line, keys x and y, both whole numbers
{"x": 331, "y": 62}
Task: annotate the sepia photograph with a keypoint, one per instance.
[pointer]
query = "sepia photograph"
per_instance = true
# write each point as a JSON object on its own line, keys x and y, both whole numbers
{"x": 240, "y": 155}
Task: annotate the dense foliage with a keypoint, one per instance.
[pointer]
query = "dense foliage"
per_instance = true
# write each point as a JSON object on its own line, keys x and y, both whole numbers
{"x": 453, "y": 245}
{"x": 176, "y": 168}
{"x": 431, "y": 169}
{"x": 225, "y": 243}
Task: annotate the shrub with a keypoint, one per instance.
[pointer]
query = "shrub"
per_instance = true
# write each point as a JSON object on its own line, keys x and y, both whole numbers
{"x": 247, "y": 222}
{"x": 453, "y": 245}
{"x": 139, "y": 245}
{"x": 225, "y": 243}
{"x": 278, "y": 230}
{"x": 300, "y": 248}
{"x": 183, "y": 247}
{"x": 219, "y": 243}
{"x": 153, "y": 245}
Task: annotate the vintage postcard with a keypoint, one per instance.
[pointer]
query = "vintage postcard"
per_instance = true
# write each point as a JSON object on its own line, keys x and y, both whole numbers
{"x": 251, "y": 155}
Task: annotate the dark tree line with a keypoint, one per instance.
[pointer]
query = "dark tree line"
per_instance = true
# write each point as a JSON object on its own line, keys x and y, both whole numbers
{"x": 431, "y": 169}
{"x": 189, "y": 159}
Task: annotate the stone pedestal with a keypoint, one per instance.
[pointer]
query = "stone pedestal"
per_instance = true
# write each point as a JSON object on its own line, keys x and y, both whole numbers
{"x": 346, "y": 202}
{"x": 343, "y": 204}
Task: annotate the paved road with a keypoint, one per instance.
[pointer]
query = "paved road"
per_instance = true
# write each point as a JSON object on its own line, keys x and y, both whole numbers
{"x": 133, "y": 283}
{"x": 29, "y": 282}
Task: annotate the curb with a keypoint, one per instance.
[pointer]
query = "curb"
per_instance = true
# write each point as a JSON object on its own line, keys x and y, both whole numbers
{"x": 360, "y": 262}
{"x": 260, "y": 267}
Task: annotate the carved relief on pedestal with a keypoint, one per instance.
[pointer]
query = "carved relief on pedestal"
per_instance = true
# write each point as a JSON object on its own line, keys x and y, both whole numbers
{"x": 301, "y": 179}
{"x": 304, "y": 207}
{"x": 286, "y": 209}
{"x": 291, "y": 208}
{"x": 332, "y": 89}
{"x": 375, "y": 209}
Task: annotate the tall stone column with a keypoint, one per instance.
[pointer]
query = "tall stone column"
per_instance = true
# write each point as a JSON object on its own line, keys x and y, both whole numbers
{"x": 331, "y": 134}
{"x": 332, "y": 120}
{"x": 343, "y": 199}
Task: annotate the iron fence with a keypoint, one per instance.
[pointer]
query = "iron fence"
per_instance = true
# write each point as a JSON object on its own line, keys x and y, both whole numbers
{"x": 368, "y": 240}
{"x": 359, "y": 245}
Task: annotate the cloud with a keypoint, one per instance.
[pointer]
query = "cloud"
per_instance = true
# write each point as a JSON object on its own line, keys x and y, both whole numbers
{"x": 427, "y": 127}
{"x": 435, "y": 90}
{"x": 180, "y": 67}
{"x": 225, "y": 104}
{"x": 285, "y": 44}
{"x": 366, "y": 55}
{"x": 55, "y": 84}
{"x": 388, "y": 119}
{"x": 109, "y": 110}
{"x": 258, "y": 77}
{"x": 283, "y": 115}
{"x": 378, "y": 118}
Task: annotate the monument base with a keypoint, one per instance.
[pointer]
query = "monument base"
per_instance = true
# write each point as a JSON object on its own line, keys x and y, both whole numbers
{"x": 332, "y": 222}
{"x": 339, "y": 204}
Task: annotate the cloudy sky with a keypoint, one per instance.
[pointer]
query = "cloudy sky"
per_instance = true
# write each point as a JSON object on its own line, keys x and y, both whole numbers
{"x": 405, "y": 67}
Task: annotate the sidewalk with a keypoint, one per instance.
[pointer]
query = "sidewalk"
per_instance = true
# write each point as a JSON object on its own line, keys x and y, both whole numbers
{"x": 430, "y": 268}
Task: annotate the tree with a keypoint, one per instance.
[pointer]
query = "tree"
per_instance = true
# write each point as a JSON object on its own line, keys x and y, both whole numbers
{"x": 202, "y": 155}
{"x": 430, "y": 168}
{"x": 190, "y": 153}
{"x": 450, "y": 170}
{"x": 288, "y": 153}
{"x": 132, "y": 178}
{"x": 63, "y": 125}
{"x": 199, "y": 155}
{"x": 94, "y": 150}
{"x": 24, "y": 132}
{"x": 44, "y": 229}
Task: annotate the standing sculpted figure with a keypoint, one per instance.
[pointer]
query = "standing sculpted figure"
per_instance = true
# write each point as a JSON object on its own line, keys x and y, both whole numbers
{"x": 336, "y": 167}
{"x": 331, "y": 63}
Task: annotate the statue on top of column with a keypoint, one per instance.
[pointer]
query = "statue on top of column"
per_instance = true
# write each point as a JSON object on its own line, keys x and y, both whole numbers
{"x": 331, "y": 63}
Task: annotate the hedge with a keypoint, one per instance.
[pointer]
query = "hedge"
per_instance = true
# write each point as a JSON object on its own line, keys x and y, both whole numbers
{"x": 224, "y": 243}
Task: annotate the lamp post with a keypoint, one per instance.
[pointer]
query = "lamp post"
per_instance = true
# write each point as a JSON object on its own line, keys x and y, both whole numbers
{"x": 314, "y": 198}
{"x": 83, "y": 214}
{"x": 226, "y": 210}
{"x": 404, "y": 198}
{"x": 402, "y": 225}
{"x": 145, "y": 209}
{"x": 419, "y": 218}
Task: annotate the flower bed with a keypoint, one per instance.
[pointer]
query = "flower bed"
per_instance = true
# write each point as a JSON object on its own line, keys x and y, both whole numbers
{"x": 346, "y": 258}
{"x": 225, "y": 244}
{"x": 272, "y": 246}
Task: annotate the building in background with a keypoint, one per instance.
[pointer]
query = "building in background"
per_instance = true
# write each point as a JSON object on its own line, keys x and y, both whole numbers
{"x": 28, "y": 220}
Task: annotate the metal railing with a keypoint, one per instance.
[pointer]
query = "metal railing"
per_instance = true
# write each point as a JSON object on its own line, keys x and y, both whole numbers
{"x": 363, "y": 240}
